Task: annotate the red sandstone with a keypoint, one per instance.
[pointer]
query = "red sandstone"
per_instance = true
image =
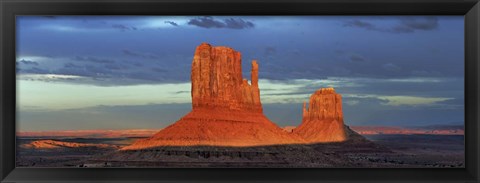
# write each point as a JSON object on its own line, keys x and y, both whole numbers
{"x": 323, "y": 119}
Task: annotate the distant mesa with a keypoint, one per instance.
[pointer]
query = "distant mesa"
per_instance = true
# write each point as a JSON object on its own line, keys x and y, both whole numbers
{"x": 55, "y": 144}
{"x": 226, "y": 109}
{"x": 89, "y": 133}
{"x": 323, "y": 118}
{"x": 418, "y": 130}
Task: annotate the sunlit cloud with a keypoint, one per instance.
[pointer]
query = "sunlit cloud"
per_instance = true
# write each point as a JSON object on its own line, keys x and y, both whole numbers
{"x": 35, "y": 58}
{"x": 109, "y": 24}
{"x": 49, "y": 77}
{"x": 419, "y": 80}
{"x": 412, "y": 100}
{"x": 72, "y": 28}
{"x": 162, "y": 22}
{"x": 59, "y": 28}
{"x": 402, "y": 100}
{"x": 352, "y": 102}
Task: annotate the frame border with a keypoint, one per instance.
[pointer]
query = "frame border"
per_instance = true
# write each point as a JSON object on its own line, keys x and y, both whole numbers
{"x": 9, "y": 9}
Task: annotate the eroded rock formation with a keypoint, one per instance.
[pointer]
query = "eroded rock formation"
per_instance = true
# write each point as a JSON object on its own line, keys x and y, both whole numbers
{"x": 217, "y": 81}
{"x": 226, "y": 109}
{"x": 323, "y": 119}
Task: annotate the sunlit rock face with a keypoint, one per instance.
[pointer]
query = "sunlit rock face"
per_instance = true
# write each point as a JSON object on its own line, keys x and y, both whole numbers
{"x": 323, "y": 119}
{"x": 226, "y": 109}
{"x": 217, "y": 81}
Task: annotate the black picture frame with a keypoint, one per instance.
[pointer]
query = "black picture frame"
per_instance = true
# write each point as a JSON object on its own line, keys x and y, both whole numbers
{"x": 9, "y": 9}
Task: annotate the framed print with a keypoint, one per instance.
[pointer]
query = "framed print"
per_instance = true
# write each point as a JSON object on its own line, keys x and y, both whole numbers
{"x": 338, "y": 91}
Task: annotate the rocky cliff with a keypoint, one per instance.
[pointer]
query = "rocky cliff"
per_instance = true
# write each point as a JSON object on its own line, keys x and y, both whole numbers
{"x": 323, "y": 119}
{"x": 217, "y": 81}
{"x": 226, "y": 109}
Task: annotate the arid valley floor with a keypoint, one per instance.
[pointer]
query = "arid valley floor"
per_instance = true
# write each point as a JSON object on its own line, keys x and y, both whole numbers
{"x": 393, "y": 151}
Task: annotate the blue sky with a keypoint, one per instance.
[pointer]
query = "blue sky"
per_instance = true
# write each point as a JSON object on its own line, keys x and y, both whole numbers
{"x": 119, "y": 72}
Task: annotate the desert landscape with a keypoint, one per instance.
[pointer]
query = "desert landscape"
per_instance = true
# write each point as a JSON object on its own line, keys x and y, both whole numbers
{"x": 228, "y": 128}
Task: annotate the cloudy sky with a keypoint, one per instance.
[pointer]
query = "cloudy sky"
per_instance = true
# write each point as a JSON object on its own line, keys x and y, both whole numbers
{"x": 120, "y": 72}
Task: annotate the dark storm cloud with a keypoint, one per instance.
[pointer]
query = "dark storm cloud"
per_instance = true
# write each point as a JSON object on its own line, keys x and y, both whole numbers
{"x": 103, "y": 71}
{"x": 28, "y": 62}
{"x": 139, "y": 54}
{"x": 238, "y": 23}
{"x": 278, "y": 59}
{"x": 206, "y": 22}
{"x": 35, "y": 70}
{"x": 93, "y": 59}
{"x": 360, "y": 24}
{"x": 92, "y": 71}
{"x": 112, "y": 74}
{"x": 230, "y": 23}
{"x": 357, "y": 58}
{"x": 410, "y": 24}
{"x": 353, "y": 63}
{"x": 123, "y": 27}
{"x": 404, "y": 25}
{"x": 171, "y": 23}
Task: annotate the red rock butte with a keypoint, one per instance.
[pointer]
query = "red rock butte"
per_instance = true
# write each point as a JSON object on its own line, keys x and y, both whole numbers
{"x": 323, "y": 119}
{"x": 217, "y": 81}
{"x": 226, "y": 109}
